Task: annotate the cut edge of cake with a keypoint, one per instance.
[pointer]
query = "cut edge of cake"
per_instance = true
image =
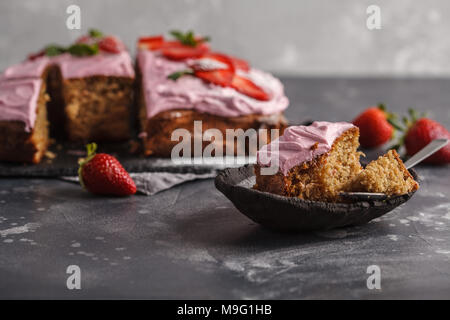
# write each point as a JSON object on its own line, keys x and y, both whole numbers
{"x": 98, "y": 108}
{"x": 20, "y": 144}
{"x": 387, "y": 174}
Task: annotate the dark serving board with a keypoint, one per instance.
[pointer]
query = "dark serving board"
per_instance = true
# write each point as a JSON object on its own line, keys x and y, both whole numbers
{"x": 66, "y": 163}
{"x": 67, "y": 155}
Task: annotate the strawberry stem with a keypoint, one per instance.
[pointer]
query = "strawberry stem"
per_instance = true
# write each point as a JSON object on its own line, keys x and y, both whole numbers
{"x": 91, "y": 149}
{"x": 391, "y": 117}
{"x": 408, "y": 122}
{"x": 393, "y": 122}
{"x": 413, "y": 114}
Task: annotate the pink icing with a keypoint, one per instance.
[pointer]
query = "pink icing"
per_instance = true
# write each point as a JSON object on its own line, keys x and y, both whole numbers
{"x": 27, "y": 69}
{"x": 110, "y": 65}
{"x": 105, "y": 64}
{"x": 188, "y": 92}
{"x": 295, "y": 146}
{"x": 18, "y": 100}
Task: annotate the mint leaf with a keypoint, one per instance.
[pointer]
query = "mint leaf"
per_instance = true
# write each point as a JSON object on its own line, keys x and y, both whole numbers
{"x": 54, "y": 50}
{"x": 77, "y": 49}
{"x": 94, "y": 33}
{"x": 174, "y": 76}
{"x": 83, "y": 49}
{"x": 188, "y": 38}
{"x": 205, "y": 39}
{"x": 177, "y": 34}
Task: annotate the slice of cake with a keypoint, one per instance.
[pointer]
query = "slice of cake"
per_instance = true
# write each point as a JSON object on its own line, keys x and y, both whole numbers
{"x": 23, "y": 120}
{"x": 97, "y": 93}
{"x": 387, "y": 175}
{"x": 313, "y": 162}
{"x": 182, "y": 81}
{"x": 90, "y": 85}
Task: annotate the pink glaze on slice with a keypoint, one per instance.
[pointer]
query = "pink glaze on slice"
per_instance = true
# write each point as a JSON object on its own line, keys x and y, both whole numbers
{"x": 18, "y": 100}
{"x": 189, "y": 92}
{"x": 296, "y": 145}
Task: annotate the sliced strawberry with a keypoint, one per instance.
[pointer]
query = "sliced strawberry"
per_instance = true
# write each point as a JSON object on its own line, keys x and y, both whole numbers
{"x": 111, "y": 44}
{"x": 247, "y": 87}
{"x": 151, "y": 43}
{"x": 84, "y": 39}
{"x": 221, "y": 77}
{"x": 36, "y": 55}
{"x": 180, "y": 52}
{"x": 172, "y": 44}
{"x": 240, "y": 64}
{"x": 202, "y": 63}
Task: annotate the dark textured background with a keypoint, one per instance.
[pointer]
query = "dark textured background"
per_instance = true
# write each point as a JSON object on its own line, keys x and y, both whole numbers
{"x": 190, "y": 242}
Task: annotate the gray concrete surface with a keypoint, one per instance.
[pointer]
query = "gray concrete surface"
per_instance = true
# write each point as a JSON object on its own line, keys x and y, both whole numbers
{"x": 190, "y": 242}
{"x": 289, "y": 37}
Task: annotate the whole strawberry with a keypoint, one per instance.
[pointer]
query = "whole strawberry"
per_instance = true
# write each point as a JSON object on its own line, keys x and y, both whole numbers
{"x": 103, "y": 174}
{"x": 374, "y": 127}
{"x": 423, "y": 131}
{"x": 111, "y": 44}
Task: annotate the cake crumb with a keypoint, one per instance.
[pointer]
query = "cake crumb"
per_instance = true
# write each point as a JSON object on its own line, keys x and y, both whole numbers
{"x": 50, "y": 155}
{"x": 315, "y": 146}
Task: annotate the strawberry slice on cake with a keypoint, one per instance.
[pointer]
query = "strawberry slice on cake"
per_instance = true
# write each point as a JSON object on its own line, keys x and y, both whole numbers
{"x": 182, "y": 80}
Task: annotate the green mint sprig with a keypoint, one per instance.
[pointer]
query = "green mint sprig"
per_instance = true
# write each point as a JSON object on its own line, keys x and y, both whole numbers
{"x": 176, "y": 75}
{"x": 83, "y": 49}
{"x": 54, "y": 50}
{"x": 77, "y": 49}
{"x": 94, "y": 33}
{"x": 188, "y": 38}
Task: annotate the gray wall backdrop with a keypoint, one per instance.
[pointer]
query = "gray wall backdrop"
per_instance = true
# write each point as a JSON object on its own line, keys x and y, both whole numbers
{"x": 288, "y": 37}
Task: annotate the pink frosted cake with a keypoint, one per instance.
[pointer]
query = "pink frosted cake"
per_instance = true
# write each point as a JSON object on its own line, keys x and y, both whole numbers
{"x": 90, "y": 88}
{"x": 313, "y": 162}
{"x": 182, "y": 81}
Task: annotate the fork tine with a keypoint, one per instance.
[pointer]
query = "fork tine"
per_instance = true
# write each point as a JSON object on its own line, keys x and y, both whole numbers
{"x": 363, "y": 196}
